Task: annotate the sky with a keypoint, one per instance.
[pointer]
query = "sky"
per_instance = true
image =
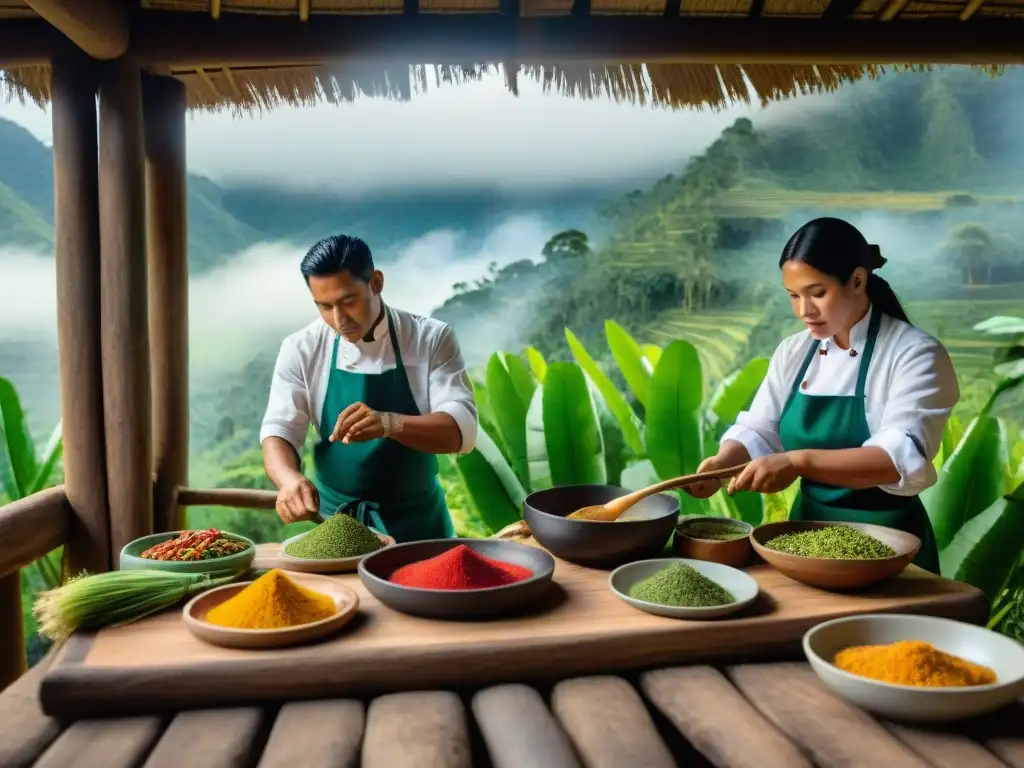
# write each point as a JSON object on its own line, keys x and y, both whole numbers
{"x": 474, "y": 134}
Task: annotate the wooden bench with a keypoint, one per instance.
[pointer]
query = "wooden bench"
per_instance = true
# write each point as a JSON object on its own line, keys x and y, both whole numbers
{"x": 771, "y": 715}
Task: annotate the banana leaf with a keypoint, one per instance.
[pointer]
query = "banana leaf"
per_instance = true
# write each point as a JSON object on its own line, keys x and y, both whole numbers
{"x": 16, "y": 444}
{"x": 630, "y": 359}
{"x": 537, "y": 364}
{"x": 652, "y": 352}
{"x": 564, "y": 444}
{"x": 509, "y": 412}
{"x": 971, "y": 479}
{"x": 1001, "y": 325}
{"x": 492, "y": 486}
{"x": 674, "y": 440}
{"x": 616, "y": 453}
{"x": 51, "y": 455}
{"x": 778, "y": 505}
{"x": 735, "y": 393}
{"x": 986, "y": 550}
{"x": 638, "y": 475}
{"x": 627, "y": 419}
{"x": 522, "y": 378}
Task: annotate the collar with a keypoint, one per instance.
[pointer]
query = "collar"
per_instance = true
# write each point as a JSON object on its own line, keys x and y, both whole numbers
{"x": 858, "y": 334}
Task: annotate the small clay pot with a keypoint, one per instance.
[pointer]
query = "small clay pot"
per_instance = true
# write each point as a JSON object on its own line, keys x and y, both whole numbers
{"x": 688, "y": 541}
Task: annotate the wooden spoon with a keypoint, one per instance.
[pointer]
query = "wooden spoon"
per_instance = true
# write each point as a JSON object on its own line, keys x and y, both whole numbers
{"x": 613, "y": 509}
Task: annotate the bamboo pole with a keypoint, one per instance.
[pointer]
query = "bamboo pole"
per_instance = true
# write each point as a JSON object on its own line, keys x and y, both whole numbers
{"x": 77, "y": 255}
{"x": 12, "y": 634}
{"x": 125, "y": 319}
{"x": 164, "y": 105}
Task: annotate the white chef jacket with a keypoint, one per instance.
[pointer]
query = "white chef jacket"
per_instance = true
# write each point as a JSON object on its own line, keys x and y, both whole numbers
{"x": 910, "y": 391}
{"x": 433, "y": 364}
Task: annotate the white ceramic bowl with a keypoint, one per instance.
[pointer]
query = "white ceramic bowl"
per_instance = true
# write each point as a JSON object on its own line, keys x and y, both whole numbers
{"x": 739, "y": 584}
{"x": 1002, "y": 655}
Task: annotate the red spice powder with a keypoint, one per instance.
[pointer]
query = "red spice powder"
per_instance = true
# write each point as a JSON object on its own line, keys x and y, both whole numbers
{"x": 459, "y": 568}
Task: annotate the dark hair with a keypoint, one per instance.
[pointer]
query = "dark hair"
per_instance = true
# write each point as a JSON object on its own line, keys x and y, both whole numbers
{"x": 837, "y": 248}
{"x": 335, "y": 253}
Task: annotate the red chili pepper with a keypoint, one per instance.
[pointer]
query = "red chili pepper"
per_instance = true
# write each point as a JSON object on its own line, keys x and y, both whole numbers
{"x": 459, "y": 568}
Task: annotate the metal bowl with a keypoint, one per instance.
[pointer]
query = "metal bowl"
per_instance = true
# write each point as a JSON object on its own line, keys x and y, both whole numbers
{"x": 640, "y": 535}
{"x": 375, "y": 571}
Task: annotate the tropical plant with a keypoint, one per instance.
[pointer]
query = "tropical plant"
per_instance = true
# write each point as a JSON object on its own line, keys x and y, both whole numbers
{"x": 568, "y": 422}
{"x": 24, "y": 471}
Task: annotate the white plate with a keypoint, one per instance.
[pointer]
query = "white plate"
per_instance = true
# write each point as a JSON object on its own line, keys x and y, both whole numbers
{"x": 337, "y": 565}
{"x": 739, "y": 584}
{"x": 1002, "y": 655}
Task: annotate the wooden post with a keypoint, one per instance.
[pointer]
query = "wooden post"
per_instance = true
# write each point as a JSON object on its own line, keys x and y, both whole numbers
{"x": 12, "y": 634}
{"x": 124, "y": 314}
{"x": 164, "y": 104}
{"x": 77, "y": 253}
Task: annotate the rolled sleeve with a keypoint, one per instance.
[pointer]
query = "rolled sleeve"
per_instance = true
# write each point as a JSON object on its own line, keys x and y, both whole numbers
{"x": 923, "y": 393}
{"x": 287, "y": 415}
{"x": 450, "y": 388}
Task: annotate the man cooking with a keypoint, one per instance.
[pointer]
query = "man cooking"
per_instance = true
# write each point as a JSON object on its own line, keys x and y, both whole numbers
{"x": 385, "y": 390}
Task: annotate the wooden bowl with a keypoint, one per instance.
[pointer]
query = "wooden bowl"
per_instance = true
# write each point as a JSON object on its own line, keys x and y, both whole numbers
{"x": 595, "y": 543}
{"x": 688, "y": 542}
{"x": 333, "y": 565}
{"x": 1001, "y": 654}
{"x": 837, "y": 574}
{"x": 740, "y": 585}
{"x": 346, "y": 602}
{"x": 375, "y": 571}
{"x": 131, "y": 561}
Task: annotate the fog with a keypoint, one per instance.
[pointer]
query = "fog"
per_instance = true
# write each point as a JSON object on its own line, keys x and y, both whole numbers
{"x": 247, "y": 306}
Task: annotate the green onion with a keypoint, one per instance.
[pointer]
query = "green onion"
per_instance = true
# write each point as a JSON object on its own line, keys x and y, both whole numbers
{"x": 92, "y": 601}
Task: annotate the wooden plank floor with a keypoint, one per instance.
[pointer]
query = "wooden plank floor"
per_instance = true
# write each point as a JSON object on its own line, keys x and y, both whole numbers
{"x": 765, "y": 715}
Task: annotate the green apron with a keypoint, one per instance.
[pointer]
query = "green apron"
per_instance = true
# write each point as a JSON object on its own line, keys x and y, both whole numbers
{"x": 381, "y": 483}
{"x": 835, "y": 422}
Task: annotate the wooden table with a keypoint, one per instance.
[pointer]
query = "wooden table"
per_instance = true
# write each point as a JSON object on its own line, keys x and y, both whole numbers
{"x": 747, "y": 716}
{"x": 155, "y": 665}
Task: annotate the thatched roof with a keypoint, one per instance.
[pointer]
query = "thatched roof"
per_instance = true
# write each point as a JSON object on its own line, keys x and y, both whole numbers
{"x": 262, "y": 85}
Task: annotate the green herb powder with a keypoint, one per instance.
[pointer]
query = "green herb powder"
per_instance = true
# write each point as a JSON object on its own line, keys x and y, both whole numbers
{"x": 682, "y": 585}
{"x": 716, "y": 535}
{"x": 837, "y": 542}
{"x": 337, "y": 537}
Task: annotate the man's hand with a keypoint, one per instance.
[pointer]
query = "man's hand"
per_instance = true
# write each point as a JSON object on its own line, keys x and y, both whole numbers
{"x": 709, "y": 487}
{"x": 357, "y": 424}
{"x": 297, "y": 500}
{"x": 768, "y": 474}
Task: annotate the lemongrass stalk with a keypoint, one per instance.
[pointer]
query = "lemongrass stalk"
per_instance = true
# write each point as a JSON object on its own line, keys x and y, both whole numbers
{"x": 115, "y": 598}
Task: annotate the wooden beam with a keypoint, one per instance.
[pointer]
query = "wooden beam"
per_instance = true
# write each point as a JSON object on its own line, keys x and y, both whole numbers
{"x": 98, "y": 27}
{"x": 12, "y": 632}
{"x": 33, "y": 527}
{"x": 125, "y": 316}
{"x": 971, "y": 9}
{"x": 31, "y": 43}
{"x": 226, "y": 497}
{"x": 77, "y": 257}
{"x": 164, "y": 105}
{"x": 181, "y": 40}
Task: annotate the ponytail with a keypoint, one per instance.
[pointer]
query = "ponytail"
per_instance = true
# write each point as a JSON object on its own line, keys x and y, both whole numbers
{"x": 884, "y": 298}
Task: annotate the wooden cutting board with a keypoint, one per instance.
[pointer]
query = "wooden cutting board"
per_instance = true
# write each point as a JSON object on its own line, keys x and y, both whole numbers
{"x": 581, "y": 628}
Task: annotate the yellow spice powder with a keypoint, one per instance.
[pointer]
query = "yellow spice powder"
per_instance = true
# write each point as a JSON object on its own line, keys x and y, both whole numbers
{"x": 273, "y": 601}
{"x": 912, "y": 662}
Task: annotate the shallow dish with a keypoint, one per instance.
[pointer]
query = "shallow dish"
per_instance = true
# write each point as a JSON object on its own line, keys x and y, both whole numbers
{"x": 333, "y": 565}
{"x": 131, "y": 561}
{"x": 346, "y": 602}
{"x": 687, "y": 542}
{"x": 1002, "y": 655}
{"x": 375, "y": 569}
{"x": 837, "y": 574}
{"x": 599, "y": 544}
{"x": 740, "y": 585}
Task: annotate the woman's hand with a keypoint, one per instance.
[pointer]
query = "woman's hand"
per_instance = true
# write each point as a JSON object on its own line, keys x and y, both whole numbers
{"x": 707, "y": 488}
{"x": 768, "y": 474}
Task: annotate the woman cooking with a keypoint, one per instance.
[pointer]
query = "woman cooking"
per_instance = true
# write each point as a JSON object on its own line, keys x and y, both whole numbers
{"x": 855, "y": 406}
